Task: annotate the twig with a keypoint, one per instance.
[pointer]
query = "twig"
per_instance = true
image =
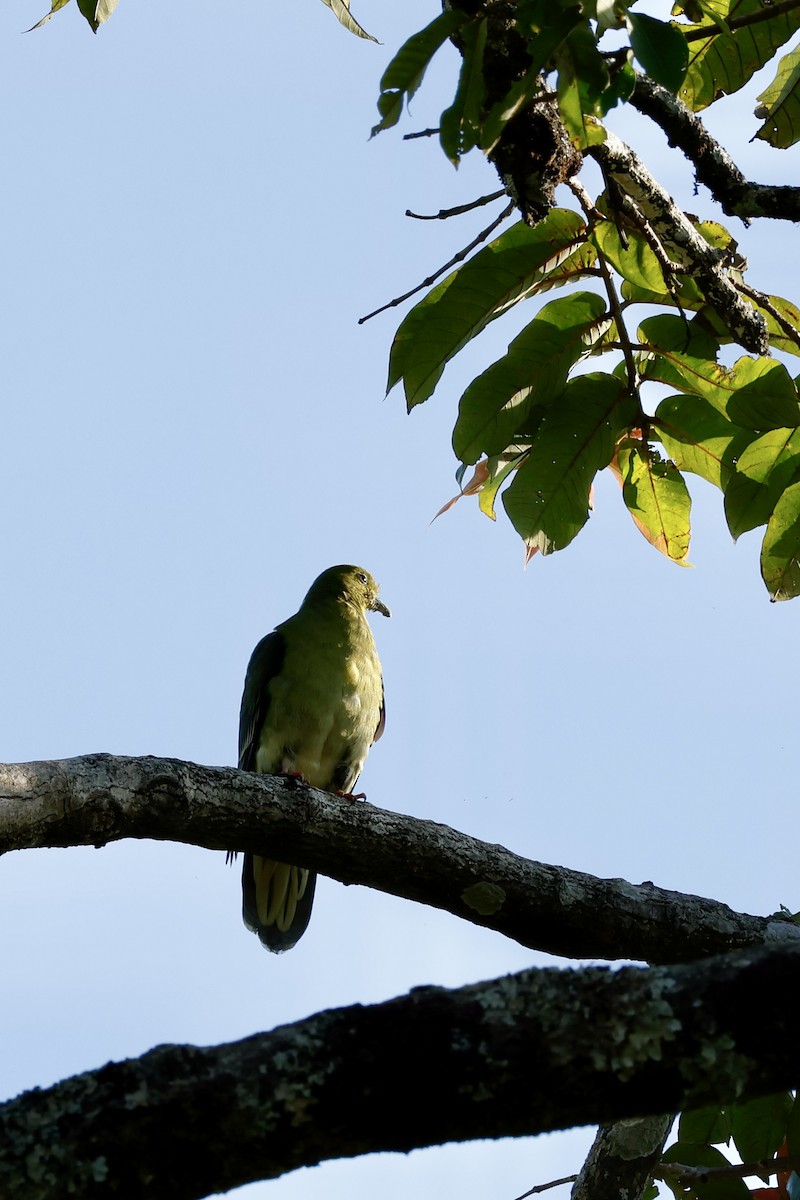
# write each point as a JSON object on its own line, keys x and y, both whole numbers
{"x": 592, "y": 214}
{"x": 409, "y": 137}
{"x": 765, "y": 1167}
{"x": 457, "y": 258}
{"x": 754, "y": 18}
{"x": 544, "y": 1187}
{"x": 444, "y": 213}
{"x": 764, "y": 301}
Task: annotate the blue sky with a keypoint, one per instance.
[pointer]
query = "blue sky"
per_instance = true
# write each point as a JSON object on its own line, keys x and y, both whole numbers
{"x": 194, "y": 426}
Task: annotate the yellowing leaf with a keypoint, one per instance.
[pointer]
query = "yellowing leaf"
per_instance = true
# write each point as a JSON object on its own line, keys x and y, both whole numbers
{"x": 657, "y": 498}
{"x": 341, "y": 10}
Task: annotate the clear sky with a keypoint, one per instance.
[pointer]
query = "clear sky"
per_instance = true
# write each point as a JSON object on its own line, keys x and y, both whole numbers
{"x": 193, "y": 426}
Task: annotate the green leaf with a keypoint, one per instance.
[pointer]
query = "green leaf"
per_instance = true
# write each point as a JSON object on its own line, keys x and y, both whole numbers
{"x": 98, "y": 11}
{"x": 460, "y": 124}
{"x": 509, "y": 269}
{"x": 686, "y": 293}
{"x": 556, "y": 23}
{"x": 495, "y": 409}
{"x": 635, "y": 262}
{"x": 692, "y": 1155}
{"x": 707, "y": 1126}
{"x": 488, "y": 493}
{"x": 781, "y": 100}
{"x": 623, "y": 81}
{"x": 340, "y": 9}
{"x": 407, "y": 69}
{"x": 781, "y": 338}
{"x": 756, "y": 393}
{"x": 657, "y": 498}
{"x": 723, "y": 62}
{"x": 54, "y": 7}
{"x": 764, "y": 469}
{"x": 582, "y": 78}
{"x": 660, "y": 47}
{"x": 700, "y": 439}
{"x": 772, "y": 458}
{"x": 793, "y": 1127}
{"x": 759, "y": 1126}
{"x": 780, "y": 550}
{"x": 747, "y": 505}
{"x": 548, "y": 499}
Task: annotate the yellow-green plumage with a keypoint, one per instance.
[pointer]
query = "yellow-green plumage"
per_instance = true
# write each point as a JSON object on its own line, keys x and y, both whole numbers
{"x": 312, "y": 706}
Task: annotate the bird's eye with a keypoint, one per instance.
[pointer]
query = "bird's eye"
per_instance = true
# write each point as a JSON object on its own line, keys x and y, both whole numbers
{"x": 361, "y": 576}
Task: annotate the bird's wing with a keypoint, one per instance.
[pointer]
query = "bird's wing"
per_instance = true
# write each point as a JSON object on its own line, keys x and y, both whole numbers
{"x": 265, "y": 663}
{"x": 382, "y": 715}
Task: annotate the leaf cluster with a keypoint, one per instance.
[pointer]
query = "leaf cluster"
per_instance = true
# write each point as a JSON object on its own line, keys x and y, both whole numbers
{"x": 764, "y": 1133}
{"x": 541, "y": 424}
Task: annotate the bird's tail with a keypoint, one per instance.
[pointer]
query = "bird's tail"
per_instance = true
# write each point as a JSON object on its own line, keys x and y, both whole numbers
{"x": 276, "y": 900}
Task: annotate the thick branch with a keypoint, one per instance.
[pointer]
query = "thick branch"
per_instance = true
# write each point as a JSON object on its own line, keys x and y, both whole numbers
{"x": 102, "y": 798}
{"x": 686, "y": 246}
{"x": 620, "y": 1164}
{"x": 531, "y": 1052}
{"x": 714, "y": 166}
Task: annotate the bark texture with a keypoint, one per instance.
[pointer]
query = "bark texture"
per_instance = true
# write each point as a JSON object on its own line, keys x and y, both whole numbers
{"x": 101, "y": 798}
{"x": 536, "y": 1051}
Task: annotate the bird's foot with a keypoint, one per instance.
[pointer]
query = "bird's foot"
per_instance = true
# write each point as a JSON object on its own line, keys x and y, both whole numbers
{"x": 295, "y": 777}
{"x": 351, "y": 795}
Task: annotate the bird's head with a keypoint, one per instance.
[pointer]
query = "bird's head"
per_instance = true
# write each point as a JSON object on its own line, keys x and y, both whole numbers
{"x": 349, "y": 583}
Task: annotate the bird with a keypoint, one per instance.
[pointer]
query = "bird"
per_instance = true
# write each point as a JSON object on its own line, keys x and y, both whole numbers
{"x": 312, "y": 706}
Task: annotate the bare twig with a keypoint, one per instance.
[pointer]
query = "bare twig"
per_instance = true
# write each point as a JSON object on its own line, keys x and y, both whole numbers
{"x": 457, "y": 258}
{"x": 444, "y": 213}
{"x": 409, "y": 137}
{"x": 545, "y": 1187}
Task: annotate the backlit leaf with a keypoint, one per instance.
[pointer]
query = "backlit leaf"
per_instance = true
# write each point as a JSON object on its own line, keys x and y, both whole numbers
{"x": 635, "y": 262}
{"x": 548, "y": 499}
{"x": 496, "y": 408}
{"x": 407, "y": 69}
{"x": 340, "y": 9}
{"x": 54, "y": 7}
{"x": 723, "y": 62}
{"x": 699, "y": 438}
{"x": 780, "y": 551}
{"x": 507, "y": 270}
{"x": 782, "y": 103}
{"x": 657, "y": 498}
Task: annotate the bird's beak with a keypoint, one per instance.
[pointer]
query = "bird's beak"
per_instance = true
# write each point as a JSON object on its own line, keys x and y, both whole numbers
{"x": 378, "y": 606}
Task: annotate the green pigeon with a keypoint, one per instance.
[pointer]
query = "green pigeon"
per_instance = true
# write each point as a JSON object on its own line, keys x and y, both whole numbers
{"x": 312, "y": 706}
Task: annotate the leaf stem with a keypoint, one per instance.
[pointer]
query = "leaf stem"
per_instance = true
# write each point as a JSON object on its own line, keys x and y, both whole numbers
{"x": 592, "y": 213}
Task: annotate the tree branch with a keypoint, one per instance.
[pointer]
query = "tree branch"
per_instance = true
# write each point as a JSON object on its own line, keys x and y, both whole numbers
{"x": 715, "y": 168}
{"x": 101, "y": 798}
{"x": 527, "y": 1053}
{"x": 691, "y": 251}
{"x": 622, "y": 1159}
